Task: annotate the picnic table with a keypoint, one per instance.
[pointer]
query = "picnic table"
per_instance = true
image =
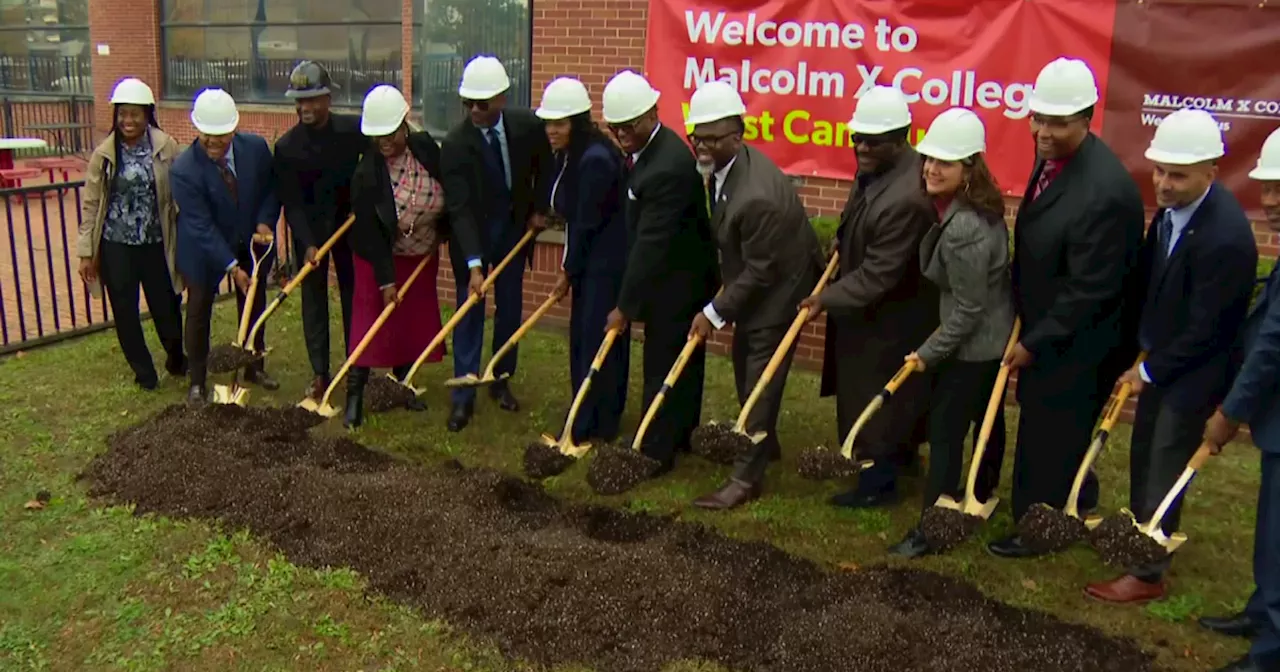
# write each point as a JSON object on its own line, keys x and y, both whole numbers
{"x": 57, "y": 129}
{"x": 7, "y": 148}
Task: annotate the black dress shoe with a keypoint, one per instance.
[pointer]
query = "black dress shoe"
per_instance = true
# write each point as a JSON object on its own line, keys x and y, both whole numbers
{"x": 913, "y": 545}
{"x": 860, "y": 498}
{"x": 353, "y": 415}
{"x": 261, "y": 378}
{"x": 197, "y": 395}
{"x": 501, "y": 393}
{"x": 1245, "y": 664}
{"x": 459, "y": 417}
{"x": 176, "y": 364}
{"x": 1235, "y": 625}
{"x": 1012, "y": 547}
{"x": 147, "y": 383}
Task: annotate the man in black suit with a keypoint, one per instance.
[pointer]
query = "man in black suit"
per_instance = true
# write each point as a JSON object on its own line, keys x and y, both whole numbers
{"x": 493, "y": 164}
{"x": 314, "y": 162}
{"x": 770, "y": 259}
{"x": 671, "y": 269}
{"x": 1201, "y": 256}
{"x": 1077, "y": 287}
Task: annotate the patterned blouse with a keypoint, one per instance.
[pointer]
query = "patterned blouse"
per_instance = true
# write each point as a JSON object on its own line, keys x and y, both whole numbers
{"x": 133, "y": 217}
{"x": 419, "y": 202}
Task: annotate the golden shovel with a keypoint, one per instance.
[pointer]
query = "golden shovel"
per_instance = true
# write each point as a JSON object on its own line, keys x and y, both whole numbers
{"x": 1109, "y": 420}
{"x": 565, "y": 444}
{"x": 970, "y": 504}
{"x": 323, "y": 407}
{"x": 472, "y": 300}
{"x": 471, "y": 380}
{"x": 235, "y": 393}
{"x": 1152, "y": 528}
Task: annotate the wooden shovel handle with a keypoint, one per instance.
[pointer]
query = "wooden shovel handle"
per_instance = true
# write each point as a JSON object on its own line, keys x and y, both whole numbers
{"x": 1109, "y": 420}
{"x": 780, "y": 354}
{"x": 1112, "y": 416}
{"x": 993, "y": 408}
{"x": 1193, "y": 465}
{"x": 302, "y": 274}
{"x": 515, "y": 338}
{"x": 609, "y": 337}
{"x": 252, "y": 294}
{"x": 672, "y": 376}
{"x": 373, "y": 329}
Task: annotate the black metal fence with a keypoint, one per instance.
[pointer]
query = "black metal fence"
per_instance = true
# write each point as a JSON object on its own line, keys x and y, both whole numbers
{"x": 437, "y": 87}
{"x": 267, "y": 79}
{"x": 64, "y": 121}
{"x": 47, "y": 74}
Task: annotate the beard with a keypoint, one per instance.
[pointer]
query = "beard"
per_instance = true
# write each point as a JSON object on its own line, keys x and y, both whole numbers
{"x": 706, "y": 169}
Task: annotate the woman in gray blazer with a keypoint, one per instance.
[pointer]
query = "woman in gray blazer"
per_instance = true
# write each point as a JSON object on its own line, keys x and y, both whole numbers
{"x": 966, "y": 254}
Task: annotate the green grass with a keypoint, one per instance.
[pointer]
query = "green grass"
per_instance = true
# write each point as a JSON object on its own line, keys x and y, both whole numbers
{"x": 84, "y": 587}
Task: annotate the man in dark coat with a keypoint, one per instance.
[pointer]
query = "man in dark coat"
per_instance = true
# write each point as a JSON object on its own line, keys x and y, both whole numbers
{"x": 494, "y": 164}
{"x": 224, "y": 189}
{"x": 314, "y": 162}
{"x": 1078, "y": 288}
{"x": 671, "y": 269}
{"x": 770, "y": 259}
{"x": 880, "y": 307}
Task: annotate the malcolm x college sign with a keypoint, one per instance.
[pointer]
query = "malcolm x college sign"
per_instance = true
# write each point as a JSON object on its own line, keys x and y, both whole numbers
{"x": 801, "y": 65}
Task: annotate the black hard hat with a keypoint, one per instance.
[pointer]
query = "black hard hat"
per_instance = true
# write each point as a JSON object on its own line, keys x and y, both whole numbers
{"x": 308, "y": 80}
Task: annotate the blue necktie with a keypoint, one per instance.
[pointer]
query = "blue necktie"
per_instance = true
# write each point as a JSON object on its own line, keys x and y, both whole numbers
{"x": 496, "y": 146}
{"x": 1165, "y": 233}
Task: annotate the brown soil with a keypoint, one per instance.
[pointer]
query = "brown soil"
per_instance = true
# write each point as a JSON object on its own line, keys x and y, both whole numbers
{"x": 616, "y": 468}
{"x": 543, "y": 461}
{"x": 717, "y": 442}
{"x": 1047, "y": 530}
{"x": 820, "y": 464}
{"x": 945, "y": 528}
{"x": 1120, "y": 543}
{"x": 383, "y": 394}
{"x": 558, "y": 584}
{"x": 226, "y": 358}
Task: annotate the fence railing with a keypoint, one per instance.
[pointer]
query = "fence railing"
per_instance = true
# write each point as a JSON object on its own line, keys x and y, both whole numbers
{"x": 64, "y": 121}
{"x": 267, "y": 79}
{"x": 49, "y": 74}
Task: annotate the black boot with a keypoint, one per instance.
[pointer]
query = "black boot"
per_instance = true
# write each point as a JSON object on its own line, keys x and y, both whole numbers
{"x": 414, "y": 404}
{"x": 356, "y": 380}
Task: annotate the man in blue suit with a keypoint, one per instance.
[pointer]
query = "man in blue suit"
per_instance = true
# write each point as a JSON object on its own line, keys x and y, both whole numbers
{"x": 225, "y": 193}
{"x": 1255, "y": 399}
{"x": 1199, "y": 258}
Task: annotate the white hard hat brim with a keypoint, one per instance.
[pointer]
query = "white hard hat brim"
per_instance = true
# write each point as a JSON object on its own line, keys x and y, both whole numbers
{"x": 1179, "y": 158}
{"x": 1041, "y": 107}
{"x": 217, "y": 129}
{"x": 1267, "y": 174}
{"x": 710, "y": 117}
{"x": 942, "y": 154}
{"x": 374, "y": 130}
{"x": 131, "y": 100}
{"x": 633, "y": 114}
{"x": 482, "y": 94}
{"x": 547, "y": 114}
{"x": 873, "y": 129}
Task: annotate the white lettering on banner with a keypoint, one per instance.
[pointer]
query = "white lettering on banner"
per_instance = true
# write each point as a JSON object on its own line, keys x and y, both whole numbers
{"x": 1155, "y": 119}
{"x": 1241, "y": 108}
{"x": 828, "y": 34}
{"x": 962, "y": 90}
{"x": 749, "y": 79}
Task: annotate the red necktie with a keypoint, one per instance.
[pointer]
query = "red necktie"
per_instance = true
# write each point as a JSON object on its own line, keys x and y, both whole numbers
{"x": 631, "y": 162}
{"x": 229, "y": 179}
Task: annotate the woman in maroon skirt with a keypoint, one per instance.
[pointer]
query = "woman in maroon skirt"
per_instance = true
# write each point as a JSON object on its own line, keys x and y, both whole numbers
{"x": 399, "y": 207}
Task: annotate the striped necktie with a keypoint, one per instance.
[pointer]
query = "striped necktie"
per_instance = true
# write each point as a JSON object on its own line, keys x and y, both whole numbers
{"x": 229, "y": 179}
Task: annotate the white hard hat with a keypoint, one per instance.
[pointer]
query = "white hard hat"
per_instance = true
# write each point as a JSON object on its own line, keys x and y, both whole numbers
{"x": 627, "y": 96}
{"x": 564, "y": 97}
{"x": 954, "y": 135}
{"x": 880, "y": 110}
{"x": 714, "y": 101}
{"x": 215, "y": 113}
{"x": 1186, "y": 137}
{"x": 483, "y": 78}
{"x": 1268, "y": 159}
{"x": 1063, "y": 88}
{"x": 132, "y": 91}
{"x": 384, "y": 111}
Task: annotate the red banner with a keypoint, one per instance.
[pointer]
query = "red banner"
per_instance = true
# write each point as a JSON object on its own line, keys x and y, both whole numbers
{"x": 801, "y": 64}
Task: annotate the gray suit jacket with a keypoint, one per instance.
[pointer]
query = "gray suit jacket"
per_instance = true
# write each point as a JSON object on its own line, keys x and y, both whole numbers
{"x": 770, "y": 257}
{"x": 967, "y": 256}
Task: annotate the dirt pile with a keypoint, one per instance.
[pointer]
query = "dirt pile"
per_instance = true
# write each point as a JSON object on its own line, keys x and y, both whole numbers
{"x": 1048, "y": 530}
{"x": 381, "y": 394}
{"x": 225, "y": 358}
{"x": 1120, "y": 544}
{"x": 717, "y": 442}
{"x": 945, "y": 528}
{"x": 558, "y": 584}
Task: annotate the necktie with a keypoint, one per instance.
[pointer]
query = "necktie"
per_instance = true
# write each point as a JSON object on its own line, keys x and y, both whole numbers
{"x": 229, "y": 179}
{"x": 496, "y": 147}
{"x": 631, "y": 162}
{"x": 1043, "y": 181}
{"x": 1165, "y": 233}
{"x": 711, "y": 188}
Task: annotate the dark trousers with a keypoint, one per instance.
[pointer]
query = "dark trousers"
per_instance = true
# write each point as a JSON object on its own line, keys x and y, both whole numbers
{"x": 1164, "y": 439}
{"x": 124, "y": 269}
{"x": 1055, "y": 428}
{"x": 592, "y": 298}
{"x": 961, "y": 392}
{"x": 1264, "y": 604}
{"x": 752, "y": 350}
{"x": 682, "y": 408}
{"x": 315, "y": 303}
{"x": 200, "y": 314}
{"x": 468, "y": 336}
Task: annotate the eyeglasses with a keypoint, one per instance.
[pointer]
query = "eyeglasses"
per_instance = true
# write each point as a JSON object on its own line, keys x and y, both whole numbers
{"x": 871, "y": 141}
{"x": 628, "y": 127}
{"x": 481, "y": 105}
{"x": 709, "y": 140}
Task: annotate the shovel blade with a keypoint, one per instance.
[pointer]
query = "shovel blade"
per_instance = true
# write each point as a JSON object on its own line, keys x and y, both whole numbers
{"x": 982, "y": 510}
{"x": 309, "y": 404}
{"x": 224, "y": 394}
{"x": 327, "y": 410}
{"x": 1174, "y": 542}
{"x": 946, "y": 502}
{"x": 1092, "y": 522}
{"x": 469, "y": 380}
{"x": 575, "y": 450}
{"x": 417, "y": 391}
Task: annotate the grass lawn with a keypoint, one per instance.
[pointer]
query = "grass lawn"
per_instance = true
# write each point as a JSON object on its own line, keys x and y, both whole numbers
{"x": 84, "y": 587}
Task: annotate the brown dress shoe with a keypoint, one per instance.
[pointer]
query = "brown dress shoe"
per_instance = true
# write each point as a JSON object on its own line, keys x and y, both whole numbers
{"x": 734, "y": 493}
{"x": 318, "y": 386}
{"x": 1125, "y": 590}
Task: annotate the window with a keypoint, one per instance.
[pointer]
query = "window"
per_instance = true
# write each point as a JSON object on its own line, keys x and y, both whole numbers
{"x": 448, "y": 33}
{"x": 249, "y": 47}
{"x": 44, "y": 46}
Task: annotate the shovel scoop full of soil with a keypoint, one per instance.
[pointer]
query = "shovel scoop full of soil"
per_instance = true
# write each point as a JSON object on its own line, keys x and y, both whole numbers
{"x": 718, "y": 443}
{"x": 617, "y": 468}
{"x": 945, "y": 528}
{"x": 226, "y": 358}
{"x": 1120, "y": 543}
{"x": 382, "y": 394}
{"x": 543, "y": 461}
{"x": 820, "y": 464}
{"x": 1047, "y": 530}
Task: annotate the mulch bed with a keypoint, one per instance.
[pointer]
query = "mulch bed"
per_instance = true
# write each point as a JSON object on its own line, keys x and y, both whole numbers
{"x": 558, "y": 584}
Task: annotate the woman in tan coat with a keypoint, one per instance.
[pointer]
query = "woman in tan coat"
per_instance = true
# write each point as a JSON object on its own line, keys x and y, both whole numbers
{"x": 127, "y": 235}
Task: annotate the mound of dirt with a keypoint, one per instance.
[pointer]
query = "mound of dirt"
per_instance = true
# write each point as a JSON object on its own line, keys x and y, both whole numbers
{"x": 558, "y": 584}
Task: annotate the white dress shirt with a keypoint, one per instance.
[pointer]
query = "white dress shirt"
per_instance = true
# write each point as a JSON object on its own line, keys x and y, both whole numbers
{"x": 1180, "y": 218}
{"x": 718, "y": 181}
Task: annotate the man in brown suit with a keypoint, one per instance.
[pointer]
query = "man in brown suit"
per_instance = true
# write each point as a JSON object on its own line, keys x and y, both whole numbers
{"x": 770, "y": 259}
{"x": 881, "y": 307}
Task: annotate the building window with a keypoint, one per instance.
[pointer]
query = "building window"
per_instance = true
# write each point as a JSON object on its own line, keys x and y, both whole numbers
{"x": 44, "y": 46}
{"x": 448, "y": 33}
{"x": 249, "y": 47}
